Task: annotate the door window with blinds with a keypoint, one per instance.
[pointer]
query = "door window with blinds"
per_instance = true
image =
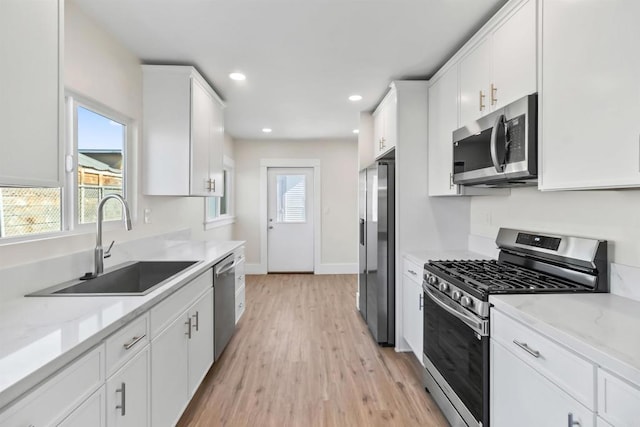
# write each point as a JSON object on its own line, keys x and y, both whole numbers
{"x": 291, "y": 198}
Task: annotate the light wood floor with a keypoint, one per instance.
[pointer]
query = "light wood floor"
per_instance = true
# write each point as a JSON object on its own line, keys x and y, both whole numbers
{"x": 302, "y": 356}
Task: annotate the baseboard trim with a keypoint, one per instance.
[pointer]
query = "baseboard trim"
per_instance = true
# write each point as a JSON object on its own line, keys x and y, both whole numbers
{"x": 337, "y": 269}
{"x": 322, "y": 269}
{"x": 255, "y": 269}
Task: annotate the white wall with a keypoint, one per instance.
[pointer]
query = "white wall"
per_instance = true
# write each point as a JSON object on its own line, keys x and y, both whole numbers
{"x": 613, "y": 215}
{"x": 97, "y": 66}
{"x": 339, "y": 193}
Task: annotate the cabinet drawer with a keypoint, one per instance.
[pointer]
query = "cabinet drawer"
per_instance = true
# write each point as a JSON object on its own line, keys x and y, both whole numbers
{"x": 412, "y": 270}
{"x": 58, "y": 396}
{"x": 566, "y": 369}
{"x": 239, "y": 254}
{"x": 618, "y": 401}
{"x": 240, "y": 303}
{"x": 127, "y": 342}
{"x": 163, "y": 314}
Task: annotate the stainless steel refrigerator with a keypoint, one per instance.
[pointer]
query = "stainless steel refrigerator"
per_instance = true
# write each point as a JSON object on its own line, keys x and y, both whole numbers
{"x": 376, "y": 279}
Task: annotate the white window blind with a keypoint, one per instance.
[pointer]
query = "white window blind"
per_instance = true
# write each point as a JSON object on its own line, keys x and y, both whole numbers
{"x": 291, "y": 198}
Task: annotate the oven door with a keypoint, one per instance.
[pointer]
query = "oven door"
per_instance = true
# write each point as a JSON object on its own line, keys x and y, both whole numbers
{"x": 456, "y": 347}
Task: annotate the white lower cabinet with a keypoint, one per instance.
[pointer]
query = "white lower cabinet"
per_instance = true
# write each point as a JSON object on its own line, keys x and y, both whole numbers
{"x": 618, "y": 401}
{"x": 181, "y": 355}
{"x": 200, "y": 346}
{"x": 522, "y": 396}
{"x": 412, "y": 306}
{"x": 90, "y": 413}
{"x": 168, "y": 367}
{"x": 128, "y": 393}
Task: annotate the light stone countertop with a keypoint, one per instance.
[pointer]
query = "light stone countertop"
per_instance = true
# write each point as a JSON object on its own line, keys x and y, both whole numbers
{"x": 40, "y": 335}
{"x": 603, "y": 328}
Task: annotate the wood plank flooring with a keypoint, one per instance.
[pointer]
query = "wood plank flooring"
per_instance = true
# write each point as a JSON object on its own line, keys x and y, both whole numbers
{"x": 302, "y": 356}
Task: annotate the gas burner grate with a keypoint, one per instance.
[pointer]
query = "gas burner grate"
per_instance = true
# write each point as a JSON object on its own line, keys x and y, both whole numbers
{"x": 500, "y": 277}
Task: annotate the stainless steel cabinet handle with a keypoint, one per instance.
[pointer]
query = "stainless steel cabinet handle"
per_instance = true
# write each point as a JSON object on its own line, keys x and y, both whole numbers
{"x": 482, "y": 106}
{"x": 421, "y": 302}
{"x": 494, "y": 91}
{"x": 122, "y": 390}
{"x": 188, "y": 323}
{"x": 571, "y": 422}
{"x": 196, "y": 316}
{"x": 214, "y": 186}
{"x": 413, "y": 272}
{"x": 525, "y": 347}
{"x": 134, "y": 341}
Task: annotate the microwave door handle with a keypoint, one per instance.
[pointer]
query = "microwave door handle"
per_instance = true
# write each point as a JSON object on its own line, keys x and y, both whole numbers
{"x": 494, "y": 143}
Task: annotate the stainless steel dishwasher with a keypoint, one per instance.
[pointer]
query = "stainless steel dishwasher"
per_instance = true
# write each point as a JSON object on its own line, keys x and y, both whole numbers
{"x": 224, "y": 294}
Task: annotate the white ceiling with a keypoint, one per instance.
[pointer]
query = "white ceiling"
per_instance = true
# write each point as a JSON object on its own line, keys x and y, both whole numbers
{"x": 302, "y": 58}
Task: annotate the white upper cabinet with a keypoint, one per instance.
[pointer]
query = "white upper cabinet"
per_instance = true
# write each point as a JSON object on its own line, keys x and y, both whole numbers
{"x": 590, "y": 94}
{"x": 443, "y": 120}
{"x": 183, "y": 133}
{"x": 475, "y": 78}
{"x": 30, "y": 92}
{"x": 501, "y": 68}
{"x": 384, "y": 124}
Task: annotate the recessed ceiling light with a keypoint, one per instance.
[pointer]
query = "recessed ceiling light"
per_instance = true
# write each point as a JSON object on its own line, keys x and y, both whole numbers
{"x": 266, "y": 130}
{"x": 355, "y": 98}
{"x": 237, "y": 76}
{"x": 356, "y": 131}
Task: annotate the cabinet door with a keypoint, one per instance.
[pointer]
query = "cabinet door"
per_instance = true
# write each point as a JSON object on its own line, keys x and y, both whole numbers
{"x": 201, "y": 123}
{"x": 475, "y": 78}
{"x": 201, "y": 342}
{"x": 514, "y": 56}
{"x": 412, "y": 318}
{"x": 590, "y": 101}
{"x": 390, "y": 130}
{"x": 30, "y": 92}
{"x": 521, "y": 396}
{"x": 443, "y": 120}
{"x": 378, "y": 132}
{"x": 90, "y": 413}
{"x": 169, "y": 389}
{"x": 216, "y": 149}
{"x": 128, "y": 393}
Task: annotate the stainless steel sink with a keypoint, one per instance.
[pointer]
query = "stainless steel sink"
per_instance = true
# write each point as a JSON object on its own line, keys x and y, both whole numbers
{"x": 134, "y": 278}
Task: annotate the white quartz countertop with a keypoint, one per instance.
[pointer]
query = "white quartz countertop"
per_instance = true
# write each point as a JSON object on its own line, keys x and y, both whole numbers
{"x": 39, "y": 335}
{"x": 422, "y": 257}
{"x": 600, "y": 327}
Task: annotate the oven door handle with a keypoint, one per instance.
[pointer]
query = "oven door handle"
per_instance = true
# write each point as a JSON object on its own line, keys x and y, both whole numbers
{"x": 477, "y": 324}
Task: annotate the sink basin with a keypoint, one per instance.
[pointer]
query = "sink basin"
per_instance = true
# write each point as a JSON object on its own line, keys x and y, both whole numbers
{"x": 135, "y": 278}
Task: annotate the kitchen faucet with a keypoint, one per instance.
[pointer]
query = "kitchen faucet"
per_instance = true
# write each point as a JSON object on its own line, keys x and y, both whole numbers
{"x": 99, "y": 250}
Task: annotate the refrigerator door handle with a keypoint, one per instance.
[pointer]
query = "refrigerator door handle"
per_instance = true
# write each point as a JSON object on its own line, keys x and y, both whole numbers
{"x": 361, "y": 231}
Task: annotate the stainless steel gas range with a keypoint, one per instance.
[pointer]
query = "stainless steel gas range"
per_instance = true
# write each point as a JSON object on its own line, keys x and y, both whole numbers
{"x": 456, "y": 309}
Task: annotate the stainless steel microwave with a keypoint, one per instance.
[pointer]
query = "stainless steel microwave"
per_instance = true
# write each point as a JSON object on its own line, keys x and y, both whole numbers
{"x": 499, "y": 149}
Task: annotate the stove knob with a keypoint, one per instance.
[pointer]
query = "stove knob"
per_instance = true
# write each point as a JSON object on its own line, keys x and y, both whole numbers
{"x": 432, "y": 280}
{"x": 444, "y": 287}
{"x": 466, "y": 302}
{"x": 456, "y": 295}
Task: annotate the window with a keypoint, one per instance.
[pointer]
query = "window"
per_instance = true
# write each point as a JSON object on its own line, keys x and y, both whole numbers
{"x": 219, "y": 210}
{"x": 99, "y": 149}
{"x": 97, "y": 139}
{"x": 25, "y": 211}
{"x": 291, "y": 198}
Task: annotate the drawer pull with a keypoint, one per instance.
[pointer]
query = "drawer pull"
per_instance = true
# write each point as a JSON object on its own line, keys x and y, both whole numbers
{"x": 134, "y": 341}
{"x": 525, "y": 347}
{"x": 413, "y": 272}
{"x": 571, "y": 422}
{"x": 123, "y": 399}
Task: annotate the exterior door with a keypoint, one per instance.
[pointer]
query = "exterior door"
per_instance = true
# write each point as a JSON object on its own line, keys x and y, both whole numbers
{"x": 290, "y": 220}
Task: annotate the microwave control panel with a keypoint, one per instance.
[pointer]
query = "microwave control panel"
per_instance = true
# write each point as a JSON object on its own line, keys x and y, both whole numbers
{"x": 516, "y": 139}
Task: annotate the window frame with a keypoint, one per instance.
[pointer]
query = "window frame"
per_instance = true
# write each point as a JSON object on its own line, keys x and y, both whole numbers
{"x": 74, "y": 100}
{"x": 217, "y": 220}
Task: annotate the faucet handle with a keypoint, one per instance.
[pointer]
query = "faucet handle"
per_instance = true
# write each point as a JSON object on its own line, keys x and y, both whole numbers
{"x": 107, "y": 253}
